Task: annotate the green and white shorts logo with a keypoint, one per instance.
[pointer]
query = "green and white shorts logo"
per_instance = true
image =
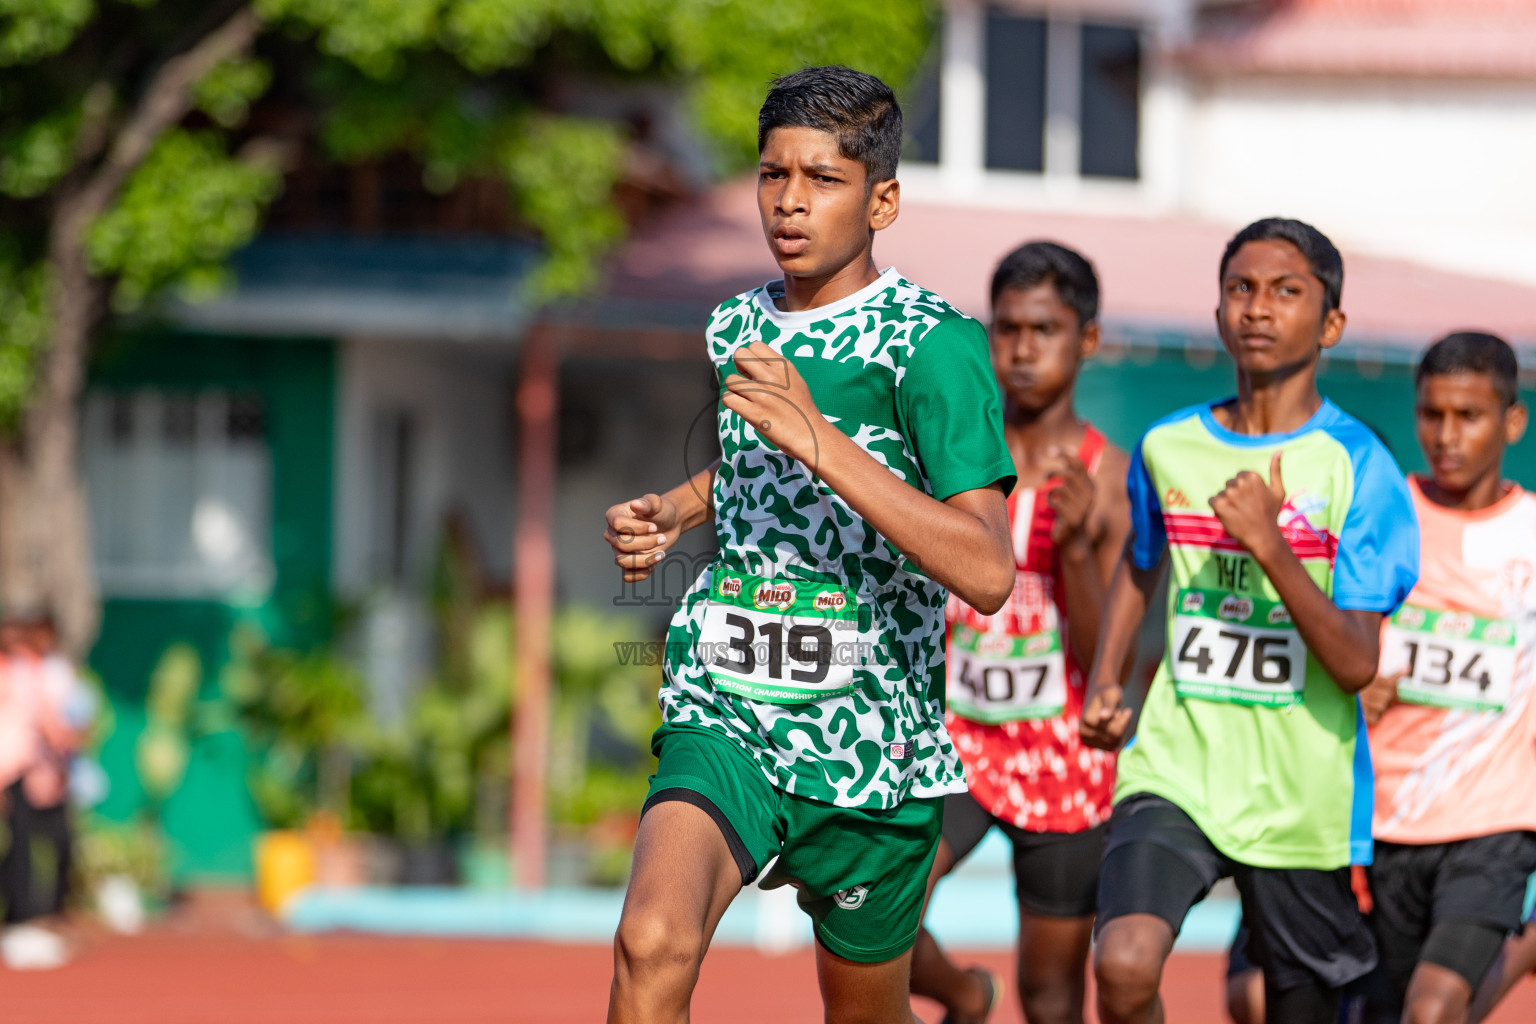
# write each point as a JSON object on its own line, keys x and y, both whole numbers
{"x": 852, "y": 899}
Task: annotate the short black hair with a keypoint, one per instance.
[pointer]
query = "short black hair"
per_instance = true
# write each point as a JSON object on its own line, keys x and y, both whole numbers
{"x": 1068, "y": 270}
{"x": 1473, "y": 352}
{"x": 1322, "y": 257}
{"x": 858, "y": 108}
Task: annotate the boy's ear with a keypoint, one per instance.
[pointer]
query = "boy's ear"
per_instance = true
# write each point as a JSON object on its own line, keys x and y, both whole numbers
{"x": 884, "y": 204}
{"x": 1088, "y": 340}
{"x": 1515, "y": 421}
{"x": 1333, "y": 328}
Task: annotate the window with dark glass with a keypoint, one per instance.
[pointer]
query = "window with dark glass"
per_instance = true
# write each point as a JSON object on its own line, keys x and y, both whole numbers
{"x": 1015, "y": 81}
{"x": 1110, "y": 109}
{"x": 920, "y": 109}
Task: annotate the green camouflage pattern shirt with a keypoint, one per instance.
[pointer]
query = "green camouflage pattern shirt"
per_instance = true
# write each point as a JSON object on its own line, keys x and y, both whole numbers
{"x": 908, "y": 378}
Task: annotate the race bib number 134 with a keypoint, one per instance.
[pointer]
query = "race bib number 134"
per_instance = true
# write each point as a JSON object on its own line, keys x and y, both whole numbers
{"x": 1450, "y": 659}
{"x": 1236, "y": 649}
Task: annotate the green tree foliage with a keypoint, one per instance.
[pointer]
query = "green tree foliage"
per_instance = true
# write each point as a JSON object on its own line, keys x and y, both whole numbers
{"x": 186, "y": 209}
{"x": 464, "y": 87}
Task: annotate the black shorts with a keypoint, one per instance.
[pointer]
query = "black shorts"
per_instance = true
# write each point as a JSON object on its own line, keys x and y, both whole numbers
{"x": 1238, "y": 961}
{"x": 1450, "y": 904}
{"x": 1055, "y": 874}
{"x": 1305, "y": 924}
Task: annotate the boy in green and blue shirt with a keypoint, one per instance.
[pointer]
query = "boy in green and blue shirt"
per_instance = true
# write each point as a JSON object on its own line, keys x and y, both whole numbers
{"x": 1288, "y": 532}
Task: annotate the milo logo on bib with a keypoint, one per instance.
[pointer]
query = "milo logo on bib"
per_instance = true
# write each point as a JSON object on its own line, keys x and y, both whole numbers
{"x": 830, "y": 601}
{"x": 1455, "y": 624}
{"x": 1500, "y": 631}
{"x": 1191, "y": 602}
{"x": 1235, "y": 609}
{"x": 1040, "y": 643}
{"x": 994, "y": 645}
{"x": 730, "y": 586}
{"x": 774, "y": 595}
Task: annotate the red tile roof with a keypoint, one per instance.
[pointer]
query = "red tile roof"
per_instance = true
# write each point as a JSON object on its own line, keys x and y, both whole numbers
{"x": 1155, "y": 272}
{"x": 1404, "y": 38}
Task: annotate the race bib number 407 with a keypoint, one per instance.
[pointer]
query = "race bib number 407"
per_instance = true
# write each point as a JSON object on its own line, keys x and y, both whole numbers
{"x": 1236, "y": 649}
{"x": 781, "y": 641}
{"x": 1450, "y": 659}
{"x": 999, "y": 677}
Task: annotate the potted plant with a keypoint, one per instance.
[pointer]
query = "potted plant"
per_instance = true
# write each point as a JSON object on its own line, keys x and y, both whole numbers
{"x": 604, "y": 715}
{"x": 303, "y": 715}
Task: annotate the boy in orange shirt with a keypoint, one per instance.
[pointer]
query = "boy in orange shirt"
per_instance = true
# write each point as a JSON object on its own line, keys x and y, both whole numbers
{"x": 1454, "y": 711}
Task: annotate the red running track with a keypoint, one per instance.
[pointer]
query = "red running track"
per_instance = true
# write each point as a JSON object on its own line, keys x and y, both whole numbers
{"x": 200, "y": 979}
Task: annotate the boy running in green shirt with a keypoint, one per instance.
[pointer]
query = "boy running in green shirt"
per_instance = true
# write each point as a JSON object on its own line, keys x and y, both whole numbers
{"x": 1289, "y": 533}
{"x": 863, "y": 471}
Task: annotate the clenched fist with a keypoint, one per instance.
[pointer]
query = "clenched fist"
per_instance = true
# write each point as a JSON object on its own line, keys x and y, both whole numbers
{"x": 1071, "y": 499}
{"x": 1249, "y": 508}
{"x": 770, "y": 394}
{"x": 1105, "y": 717}
{"x": 639, "y": 531}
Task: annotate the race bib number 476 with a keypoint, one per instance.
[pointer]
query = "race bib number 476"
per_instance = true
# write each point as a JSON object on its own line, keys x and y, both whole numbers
{"x": 781, "y": 641}
{"x": 1236, "y": 649}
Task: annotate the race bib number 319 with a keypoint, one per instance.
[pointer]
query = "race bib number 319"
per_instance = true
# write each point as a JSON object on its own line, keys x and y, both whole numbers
{"x": 781, "y": 641}
{"x": 1450, "y": 659}
{"x": 1236, "y": 649}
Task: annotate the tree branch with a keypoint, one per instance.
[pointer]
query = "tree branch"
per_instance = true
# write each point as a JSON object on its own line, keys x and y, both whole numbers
{"x": 95, "y": 123}
{"x": 166, "y": 100}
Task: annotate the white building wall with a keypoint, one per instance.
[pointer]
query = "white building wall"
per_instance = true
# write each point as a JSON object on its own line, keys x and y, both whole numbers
{"x": 654, "y": 426}
{"x": 649, "y": 424}
{"x": 1432, "y": 171}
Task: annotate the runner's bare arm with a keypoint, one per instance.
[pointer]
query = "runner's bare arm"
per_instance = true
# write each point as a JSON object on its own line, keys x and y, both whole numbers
{"x": 1090, "y": 553}
{"x": 640, "y": 530}
{"x": 962, "y": 542}
{"x": 1105, "y": 716}
{"x": 1073, "y": 500}
{"x": 1346, "y": 642}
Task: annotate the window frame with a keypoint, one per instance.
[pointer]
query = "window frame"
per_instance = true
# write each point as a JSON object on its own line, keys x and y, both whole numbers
{"x": 218, "y": 466}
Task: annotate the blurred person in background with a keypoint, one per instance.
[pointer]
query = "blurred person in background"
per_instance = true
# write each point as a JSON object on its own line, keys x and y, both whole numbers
{"x": 1016, "y": 678}
{"x": 45, "y": 712}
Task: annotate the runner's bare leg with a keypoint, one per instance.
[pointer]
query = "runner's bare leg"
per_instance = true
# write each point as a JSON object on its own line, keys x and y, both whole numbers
{"x": 683, "y": 880}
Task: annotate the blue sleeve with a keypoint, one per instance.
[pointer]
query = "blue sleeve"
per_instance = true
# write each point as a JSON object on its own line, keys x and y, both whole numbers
{"x": 1378, "y": 558}
{"x": 1148, "y": 535}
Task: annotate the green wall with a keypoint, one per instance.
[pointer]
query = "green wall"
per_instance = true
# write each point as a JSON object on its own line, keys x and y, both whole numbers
{"x": 1124, "y": 396}
{"x": 210, "y": 820}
